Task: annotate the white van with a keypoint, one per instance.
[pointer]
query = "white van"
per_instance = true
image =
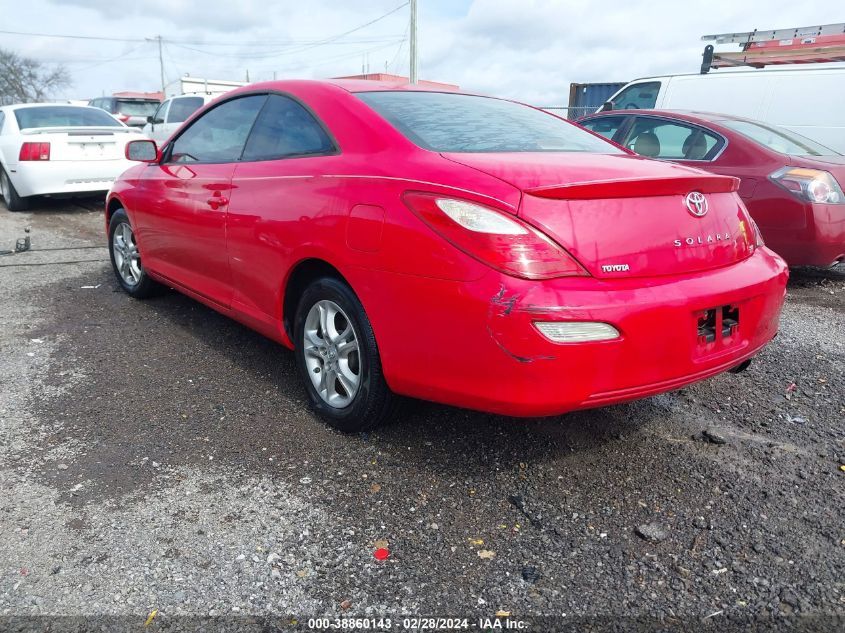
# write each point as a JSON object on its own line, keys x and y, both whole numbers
{"x": 810, "y": 101}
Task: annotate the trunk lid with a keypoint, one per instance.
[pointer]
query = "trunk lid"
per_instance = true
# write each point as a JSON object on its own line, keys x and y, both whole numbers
{"x": 625, "y": 216}
{"x": 83, "y": 143}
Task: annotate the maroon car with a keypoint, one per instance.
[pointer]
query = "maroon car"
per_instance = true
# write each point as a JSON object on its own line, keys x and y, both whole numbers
{"x": 791, "y": 185}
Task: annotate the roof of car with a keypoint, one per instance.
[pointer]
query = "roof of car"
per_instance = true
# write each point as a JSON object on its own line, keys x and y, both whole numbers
{"x": 684, "y": 115}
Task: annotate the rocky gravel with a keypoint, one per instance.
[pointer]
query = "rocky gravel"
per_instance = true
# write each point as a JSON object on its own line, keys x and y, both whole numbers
{"x": 159, "y": 465}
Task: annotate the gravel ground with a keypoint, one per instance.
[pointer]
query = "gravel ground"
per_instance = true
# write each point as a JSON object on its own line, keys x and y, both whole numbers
{"x": 159, "y": 461}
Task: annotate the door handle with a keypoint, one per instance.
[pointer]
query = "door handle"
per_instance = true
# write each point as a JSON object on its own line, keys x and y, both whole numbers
{"x": 215, "y": 202}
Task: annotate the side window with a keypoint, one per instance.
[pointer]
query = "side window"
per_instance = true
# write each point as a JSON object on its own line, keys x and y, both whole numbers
{"x": 2, "y": 121}
{"x": 607, "y": 126}
{"x": 183, "y": 107}
{"x": 106, "y": 104}
{"x": 639, "y": 96}
{"x": 218, "y": 136}
{"x": 285, "y": 128}
{"x": 672, "y": 140}
{"x": 158, "y": 117}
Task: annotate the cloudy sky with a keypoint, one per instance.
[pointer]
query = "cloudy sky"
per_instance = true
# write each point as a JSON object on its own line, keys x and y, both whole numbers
{"x": 525, "y": 49}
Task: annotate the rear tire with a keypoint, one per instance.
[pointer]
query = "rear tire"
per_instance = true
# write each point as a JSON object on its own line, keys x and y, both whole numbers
{"x": 126, "y": 258}
{"x": 13, "y": 201}
{"x": 337, "y": 357}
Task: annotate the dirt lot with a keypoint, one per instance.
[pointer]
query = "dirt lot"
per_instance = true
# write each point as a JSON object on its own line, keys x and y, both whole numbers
{"x": 157, "y": 456}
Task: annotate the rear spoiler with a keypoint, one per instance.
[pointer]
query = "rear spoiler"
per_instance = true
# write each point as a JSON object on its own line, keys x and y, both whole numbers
{"x": 637, "y": 187}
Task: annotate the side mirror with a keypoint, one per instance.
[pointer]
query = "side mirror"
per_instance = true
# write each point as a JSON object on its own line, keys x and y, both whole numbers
{"x": 150, "y": 119}
{"x": 606, "y": 106}
{"x": 143, "y": 151}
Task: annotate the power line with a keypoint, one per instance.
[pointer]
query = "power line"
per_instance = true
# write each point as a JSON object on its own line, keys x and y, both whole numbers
{"x": 273, "y": 43}
{"x": 77, "y": 37}
{"x": 366, "y": 24}
{"x": 394, "y": 62}
{"x": 307, "y": 43}
{"x": 276, "y": 53}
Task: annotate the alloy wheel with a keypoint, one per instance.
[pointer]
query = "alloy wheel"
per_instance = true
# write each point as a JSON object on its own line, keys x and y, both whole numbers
{"x": 4, "y": 186}
{"x": 331, "y": 353}
{"x": 127, "y": 260}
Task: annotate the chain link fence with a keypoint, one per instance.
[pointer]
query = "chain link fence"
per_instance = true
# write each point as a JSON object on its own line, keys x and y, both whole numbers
{"x": 571, "y": 113}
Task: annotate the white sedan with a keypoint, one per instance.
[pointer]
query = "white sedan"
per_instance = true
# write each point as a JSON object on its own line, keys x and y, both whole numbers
{"x": 57, "y": 149}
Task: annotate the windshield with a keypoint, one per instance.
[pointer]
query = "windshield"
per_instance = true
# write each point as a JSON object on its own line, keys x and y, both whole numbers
{"x": 642, "y": 96}
{"x": 450, "y": 122}
{"x": 64, "y": 116}
{"x": 136, "y": 108}
{"x": 778, "y": 139}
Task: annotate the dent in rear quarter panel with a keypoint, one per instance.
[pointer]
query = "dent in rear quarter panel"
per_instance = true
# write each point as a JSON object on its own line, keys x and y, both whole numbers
{"x": 279, "y": 216}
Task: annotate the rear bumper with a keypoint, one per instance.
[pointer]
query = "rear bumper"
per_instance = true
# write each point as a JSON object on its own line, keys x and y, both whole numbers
{"x": 474, "y": 344}
{"x": 820, "y": 241}
{"x": 828, "y": 245}
{"x": 39, "y": 178}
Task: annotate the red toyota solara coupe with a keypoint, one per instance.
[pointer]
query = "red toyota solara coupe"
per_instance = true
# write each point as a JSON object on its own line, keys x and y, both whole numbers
{"x": 451, "y": 247}
{"x": 791, "y": 185}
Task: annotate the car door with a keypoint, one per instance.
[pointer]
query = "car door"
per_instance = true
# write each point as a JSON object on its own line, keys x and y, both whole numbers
{"x": 273, "y": 188}
{"x": 155, "y": 129}
{"x": 181, "y": 213}
{"x": 692, "y": 145}
{"x": 674, "y": 140}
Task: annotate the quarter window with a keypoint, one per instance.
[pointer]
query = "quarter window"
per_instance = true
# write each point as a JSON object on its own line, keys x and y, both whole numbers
{"x": 284, "y": 129}
{"x": 670, "y": 140}
{"x": 218, "y": 136}
{"x": 607, "y": 126}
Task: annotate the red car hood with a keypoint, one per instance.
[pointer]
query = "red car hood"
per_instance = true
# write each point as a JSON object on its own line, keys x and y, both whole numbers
{"x": 622, "y": 215}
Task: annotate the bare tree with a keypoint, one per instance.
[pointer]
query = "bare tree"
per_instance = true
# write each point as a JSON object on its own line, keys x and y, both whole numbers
{"x": 25, "y": 80}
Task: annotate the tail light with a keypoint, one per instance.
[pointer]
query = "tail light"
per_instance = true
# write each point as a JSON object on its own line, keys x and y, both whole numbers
{"x": 34, "y": 151}
{"x": 493, "y": 237}
{"x": 814, "y": 185}
{"x": 755, "y": 240}
{"x": 758, "y": 236}
{"x": 123, "y": 118}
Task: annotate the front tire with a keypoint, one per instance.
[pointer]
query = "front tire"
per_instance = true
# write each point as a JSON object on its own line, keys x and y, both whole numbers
{"x": 13, "y": 201}
{"x": 338, "y": 359}
{"x": 126, "y": 258}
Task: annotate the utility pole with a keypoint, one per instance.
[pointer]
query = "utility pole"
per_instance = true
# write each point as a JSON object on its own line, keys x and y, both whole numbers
{"x": 161, "y": 67}
{"x": 413, "y": 66}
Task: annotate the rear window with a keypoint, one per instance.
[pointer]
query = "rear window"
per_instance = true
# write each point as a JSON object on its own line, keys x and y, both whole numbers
{"x": 779, "y": 139}
{"x": 135, "y": 108}
{"x": 63, "y": 116}
{"x": 448, "y": 122}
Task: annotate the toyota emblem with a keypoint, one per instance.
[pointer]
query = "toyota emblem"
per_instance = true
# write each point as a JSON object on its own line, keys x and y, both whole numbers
{"x": 696, "y": 203}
